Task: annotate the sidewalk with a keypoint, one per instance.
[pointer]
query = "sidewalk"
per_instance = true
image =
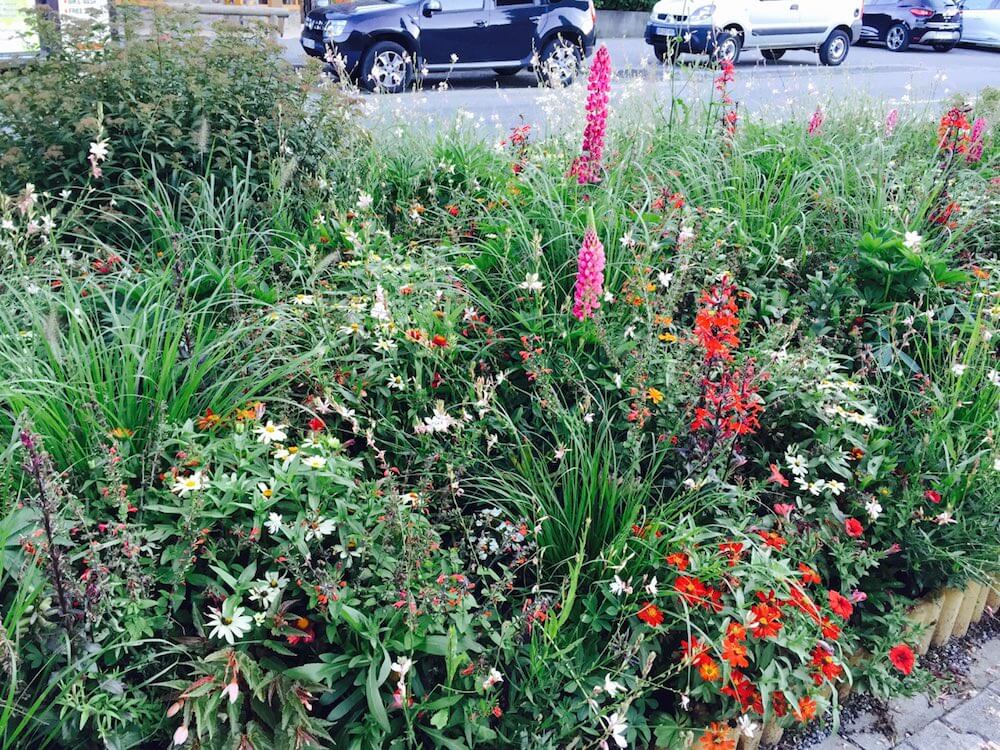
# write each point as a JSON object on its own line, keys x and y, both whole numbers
{"x": 967, "y": 718}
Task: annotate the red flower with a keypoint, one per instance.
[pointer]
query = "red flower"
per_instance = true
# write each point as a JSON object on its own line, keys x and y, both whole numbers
{"x": 695, "y": 651}
{"x": 766, "y": 620}
{"x": 773, "y": 539}
{"x": 734, "y": 550}
{"x": 709, "y": 670}
{"x": 716, "y": 324}
{"x": 831, "y": 630}
{"x": 806, "y": 710}
{"x": 439, "y": 341}
{"x": 933, "y": 495}
{"x": 826, "y": 665}
{"x": 316, "y": 424}
{"x": 808, "y": 574}
{"x": 650, "y": 614}
{"x": 679, "y": 560}
{"x": 840, "y": 605}
{"x": 453, "y": 210}
{"x": 853, "y": 528}
{"x": 734, "y": 652}
{"x": 691, "y": 589}
{"x": 717, "y": 737}
{"x": 902, "y": 658}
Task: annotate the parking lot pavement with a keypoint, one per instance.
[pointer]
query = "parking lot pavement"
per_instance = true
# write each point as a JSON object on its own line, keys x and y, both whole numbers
{"x": 918, "y": 78}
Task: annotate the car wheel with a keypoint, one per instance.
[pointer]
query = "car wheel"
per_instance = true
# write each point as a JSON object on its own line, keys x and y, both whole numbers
{"x": 772, "y": 54}
{"x": 897, "y": 38}
{"x": 560, "y": 62}
{"x": 835, "y": 48}
{"x": 511, "y": 71}
{"x": 727, "y": 47}
{"x": 667, "y": 53}
{"x": 387, "y": 68}
{"x": 944, "y": 46}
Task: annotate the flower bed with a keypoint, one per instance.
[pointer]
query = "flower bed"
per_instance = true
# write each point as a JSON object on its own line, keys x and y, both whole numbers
{"x": 669, "y": 440}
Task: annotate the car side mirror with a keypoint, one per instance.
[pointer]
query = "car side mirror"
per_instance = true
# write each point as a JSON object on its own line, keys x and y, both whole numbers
{"x": 431, "y": 7}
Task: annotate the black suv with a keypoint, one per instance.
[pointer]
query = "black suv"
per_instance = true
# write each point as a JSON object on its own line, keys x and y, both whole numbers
{"x": 381, "y": 43}
{"x": 900, "y": 23}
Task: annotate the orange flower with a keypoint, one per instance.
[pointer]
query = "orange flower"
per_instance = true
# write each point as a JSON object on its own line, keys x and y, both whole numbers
{"x": 808, "y": 574}
{"x": 650, "y": 614}
{"x": 766, "y": 620}
{"x": 717, "y": 737}
{"x": 709, "y": 670}
{"x": 826, "y": 665}
{"x": 735, "y": 653}
{"x": 679, "y": 560}
{"x": 691, "y": 589}
{"x": 734, "y": 550}
{"x": 806, "y": 710}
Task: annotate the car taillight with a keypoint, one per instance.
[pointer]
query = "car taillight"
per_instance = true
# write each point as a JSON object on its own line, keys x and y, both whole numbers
{"x": 921, "y": 12}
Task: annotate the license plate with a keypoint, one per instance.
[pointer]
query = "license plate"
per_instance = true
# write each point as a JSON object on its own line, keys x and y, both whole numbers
{"x": 666, "y": 32}
{"x": 310, "y": 43}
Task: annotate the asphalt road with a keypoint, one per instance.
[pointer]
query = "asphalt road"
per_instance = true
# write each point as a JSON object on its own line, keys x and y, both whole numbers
{"x": 917, "y": 79}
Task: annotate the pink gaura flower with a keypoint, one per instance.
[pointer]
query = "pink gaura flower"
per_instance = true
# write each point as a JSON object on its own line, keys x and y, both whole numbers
{"x": 589, "y": 272}
{"x": 815, "y": 122}
{"x": 891, "y": 120}
{"x": 777, "y": 477}
{"x": 784, "y": 509}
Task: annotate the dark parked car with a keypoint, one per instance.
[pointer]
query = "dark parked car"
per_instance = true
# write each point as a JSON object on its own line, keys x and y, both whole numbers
{"x": 380, "y": 43}
{"x": 900, "y": 23}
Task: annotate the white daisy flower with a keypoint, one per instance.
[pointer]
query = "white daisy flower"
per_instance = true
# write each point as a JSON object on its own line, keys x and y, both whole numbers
{"x": 229, "y": 627}
{"x": 186, "y": 485}
{"x": 271, "y": 433}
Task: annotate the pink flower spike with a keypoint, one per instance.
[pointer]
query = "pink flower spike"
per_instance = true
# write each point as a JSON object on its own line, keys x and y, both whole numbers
{"x": 587, "y": 167}
{"x": 589, "y": 272}
{"x": 891, "y": 120}
{"x": 815, "y": 122}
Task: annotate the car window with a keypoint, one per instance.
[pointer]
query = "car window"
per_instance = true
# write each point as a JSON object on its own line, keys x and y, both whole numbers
{"x": 978, "y": 4}
{"x": 508, "y": 3}
{"x": 452, "y": 5}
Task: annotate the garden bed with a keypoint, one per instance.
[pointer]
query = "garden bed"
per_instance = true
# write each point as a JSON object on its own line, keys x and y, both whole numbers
{"x": 654, "y": 433}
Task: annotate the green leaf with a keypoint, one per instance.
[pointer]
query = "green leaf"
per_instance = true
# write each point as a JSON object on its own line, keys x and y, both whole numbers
{"x": 375, "y": 704}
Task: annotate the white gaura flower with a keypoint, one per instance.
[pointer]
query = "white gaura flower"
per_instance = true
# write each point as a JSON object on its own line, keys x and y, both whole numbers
{"x": 612, "y": 687}
{"x": 531, "y": 284}
{"x": 319, "y": 528}
{"x": 664, "y": 277}
{"x": 652, "y": 588}
{"x": 942, "y": 519}
{"x": 627, "y": 239}
{"x": 747, "y": 726}
{"x": 685, "y": 235}
{"x": 99, "y": 149}
{"x": 273, "y": 523}
{"x": 439, "y": 421}
{"x": 271, "y": 433}
{"x": 617, "y": 727}
{"x": 912, "y": 241}
{"x": 619, "y": 587}
{"x": 314, "y": 462}
{"x": 186, "y": 485}
{"x": 364, "y": 201}
{"x": 380, "y": 308}
{"x": 493, "y": 678}
{"x": 836, "y": 487}
{"x": 401, "y": 666}
{"x": 874, "y": 509}
{"x": 229, "y": 627}
{"x": 958, "y": 369}
{"x": 994, "y": 377}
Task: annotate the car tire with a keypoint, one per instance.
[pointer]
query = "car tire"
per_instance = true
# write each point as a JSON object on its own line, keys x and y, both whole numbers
{"x": 387, "y": 68}
{"x": 834, "y": 50}
{"x": 772, "y": 54}
{"x": 944, "y": 46}
{"x": 667, "y": 53}
{"x": 897, "y": 38}
{"x": 727, "y": 47}
{"x": 560, "y": 62}
{"x": 511, "y": 71}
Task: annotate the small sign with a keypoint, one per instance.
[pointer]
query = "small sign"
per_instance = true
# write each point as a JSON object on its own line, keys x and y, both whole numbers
{"x": 17, "y": 40}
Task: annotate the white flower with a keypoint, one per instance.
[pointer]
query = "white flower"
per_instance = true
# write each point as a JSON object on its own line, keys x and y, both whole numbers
{"x": 617, "y": 728}
{"x": 686, "y": 235}
{"x": 314, "y": 462}
{"x": 994, "y": 377}
{"x": 264, "y": 489}
{"x": 816, "y": 487}
{"x": 364, "y": 201}
{"x": 396, "y": 382}
{"x": 912, "y": 240}
{"x": 380, "y": 308}
{"x": 401, "y": 666}
{"x": 958, "y": 369}
{"x": 651, "y": 587}
{"x": 319, "y": 528}
{"x": 747, "y": 726}
{"x": 611, "y": 687}
{"x": 384, "y": 345}
{"x": 685, "y": 701}
{"x": 186, "y": 485}
{"x": 619, "y": 587}
{"x": 229, "y": 627}
{"x": 439, "y": 421}
{"x": 493, "y": 678}
{"x": 271, "y": 433}
{"x": 531, "y": 284}
{"x": 303, "y": 299}
{"x": 664, "y": 278}
{"x": 944, "y": 518}
{"x": 273, "y": 581}
{"x": 273, "y": 523}
{"x": 260, "y": 618}
{"x": 588, "y": 418}
{"x": 996, "y": 465}
{"x": 181, "y": 734}
{"x": 797, "y": 464}
{"x": 99, "y": 150}
{"x": 874, "y": 509}
{"x": 627, "y": 240}
{"x": 836, "y": 487}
